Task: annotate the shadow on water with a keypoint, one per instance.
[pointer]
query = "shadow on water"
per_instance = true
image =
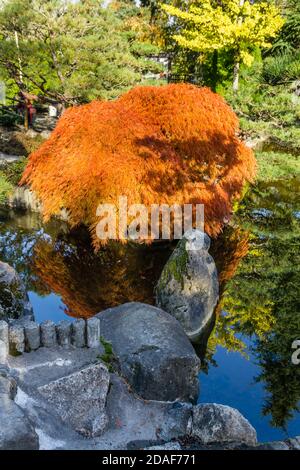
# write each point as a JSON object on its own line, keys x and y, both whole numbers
{"x": 258, "y": 314}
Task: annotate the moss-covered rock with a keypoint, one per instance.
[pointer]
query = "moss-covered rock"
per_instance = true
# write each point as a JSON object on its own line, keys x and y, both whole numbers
{"x": 188, "y": 286}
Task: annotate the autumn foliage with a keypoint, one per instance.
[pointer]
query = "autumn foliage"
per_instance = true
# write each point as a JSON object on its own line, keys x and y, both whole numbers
{"x": 169, "y": 144}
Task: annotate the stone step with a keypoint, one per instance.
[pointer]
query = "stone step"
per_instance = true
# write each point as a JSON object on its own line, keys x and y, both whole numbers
{"x": 38, "y": 368}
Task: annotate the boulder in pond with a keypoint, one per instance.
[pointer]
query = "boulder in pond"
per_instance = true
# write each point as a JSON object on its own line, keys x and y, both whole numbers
{"x": 212, "y": 422}
{"x": 14, "y": 301}
{"x": 153, "y": 352}
{"x": 188, "y": 287}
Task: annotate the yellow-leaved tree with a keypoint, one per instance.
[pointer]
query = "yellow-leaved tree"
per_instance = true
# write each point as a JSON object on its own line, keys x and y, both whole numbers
{"x": 235, "y": 25}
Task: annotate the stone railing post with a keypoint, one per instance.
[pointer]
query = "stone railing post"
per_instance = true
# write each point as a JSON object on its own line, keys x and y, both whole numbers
{"x": 63, "y": 332}
{"x": 32, "y": 336}
{"x": 16, "y": 339}
{"x": 78, "y": 333}
{"x": 93, "y": 332}
{"x": 4, "y": 343}
{"x": 19, "y": 337}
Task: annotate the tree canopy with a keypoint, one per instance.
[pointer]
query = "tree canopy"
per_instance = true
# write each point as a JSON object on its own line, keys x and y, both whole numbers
{"x": 235, "y": 25}
{"x": 172, "y": 144}
{"x": 72, "y": 51}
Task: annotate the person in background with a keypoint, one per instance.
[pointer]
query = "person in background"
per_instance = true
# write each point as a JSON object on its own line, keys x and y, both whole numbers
{"x": 31, "y": 113}
{"x": 26, "y": 109}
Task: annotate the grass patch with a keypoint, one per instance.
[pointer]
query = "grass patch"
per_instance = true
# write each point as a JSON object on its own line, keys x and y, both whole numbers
{"x": 273, "y": 165}
{"x": 108, "y": 356}
{"x": 10, "y": 175}
{"x": 13, "y": 171}
{"x": 5, "y": 188}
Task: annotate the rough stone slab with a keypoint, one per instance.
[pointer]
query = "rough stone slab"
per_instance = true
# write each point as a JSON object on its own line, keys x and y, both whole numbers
{"x": 16, "y": 432}
{"x": 93, "y": 332}
{"x": 32, "y": 336}
{"x": 16, "y": 340}
{"x": 130, "y": 418}
{"x": 48, "y": 334}
{"x": 153, "y": 352}
{"x": 44, "y": 365}
{"x": 63, "y": 333}
{"x": 78, "y": 333}
{"x": 8, "y": 386}
{"x": 80, "y": 399}
{"x": 4, "y": 343}
{"x": 219, "y": 423}
{"x": 4, "y": 370}
{"x": 144, "y": 420}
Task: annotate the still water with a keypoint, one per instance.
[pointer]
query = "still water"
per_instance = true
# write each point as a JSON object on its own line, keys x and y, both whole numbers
{"x": 247, "y": 360}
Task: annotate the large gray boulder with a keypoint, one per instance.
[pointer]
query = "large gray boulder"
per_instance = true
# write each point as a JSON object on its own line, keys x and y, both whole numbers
{"x": 153, "y": 352}
{"x": 14, "y": 301}
{"x": 219, "y": 423}
{"x": 188, "y": 287}
{"x": 80, "y": 399}
{"x": 16, "y": 431}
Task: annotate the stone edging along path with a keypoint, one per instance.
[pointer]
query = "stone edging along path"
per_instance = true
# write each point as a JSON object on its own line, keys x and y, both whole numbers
{"x": 17, "y": 337}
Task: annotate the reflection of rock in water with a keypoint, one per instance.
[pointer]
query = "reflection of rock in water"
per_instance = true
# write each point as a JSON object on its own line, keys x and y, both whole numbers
{"x": 89, "y": 283}
{"x": 14, "y": 302}
{"x": 200, "y": 345}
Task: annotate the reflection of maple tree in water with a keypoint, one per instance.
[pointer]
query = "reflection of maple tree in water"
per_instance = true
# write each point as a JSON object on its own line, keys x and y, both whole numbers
{"x": 89, "y": 282}
{"x": 228, "y": 250}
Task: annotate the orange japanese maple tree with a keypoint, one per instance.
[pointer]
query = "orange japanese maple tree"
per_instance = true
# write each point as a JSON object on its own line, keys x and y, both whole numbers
{"x": 168, "y": 144}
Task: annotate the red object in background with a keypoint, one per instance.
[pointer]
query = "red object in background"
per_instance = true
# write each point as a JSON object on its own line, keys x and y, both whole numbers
{"x": 31, "y": 113}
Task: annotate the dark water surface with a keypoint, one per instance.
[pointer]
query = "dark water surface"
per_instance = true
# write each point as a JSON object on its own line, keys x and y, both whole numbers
{"x": 247, "y": 362}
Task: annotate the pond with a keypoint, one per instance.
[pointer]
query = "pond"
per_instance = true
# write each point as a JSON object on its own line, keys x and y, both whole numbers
{"x": 247, "y": 360}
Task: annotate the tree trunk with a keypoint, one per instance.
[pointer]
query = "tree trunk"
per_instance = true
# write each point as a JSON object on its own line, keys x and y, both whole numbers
{"x": 236, "y": 68}
{"x": 214, "y": 71}
{"x": 26, "y": 118}
{"x": 19, "y": 57}
{"x": 236, "y": 75}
